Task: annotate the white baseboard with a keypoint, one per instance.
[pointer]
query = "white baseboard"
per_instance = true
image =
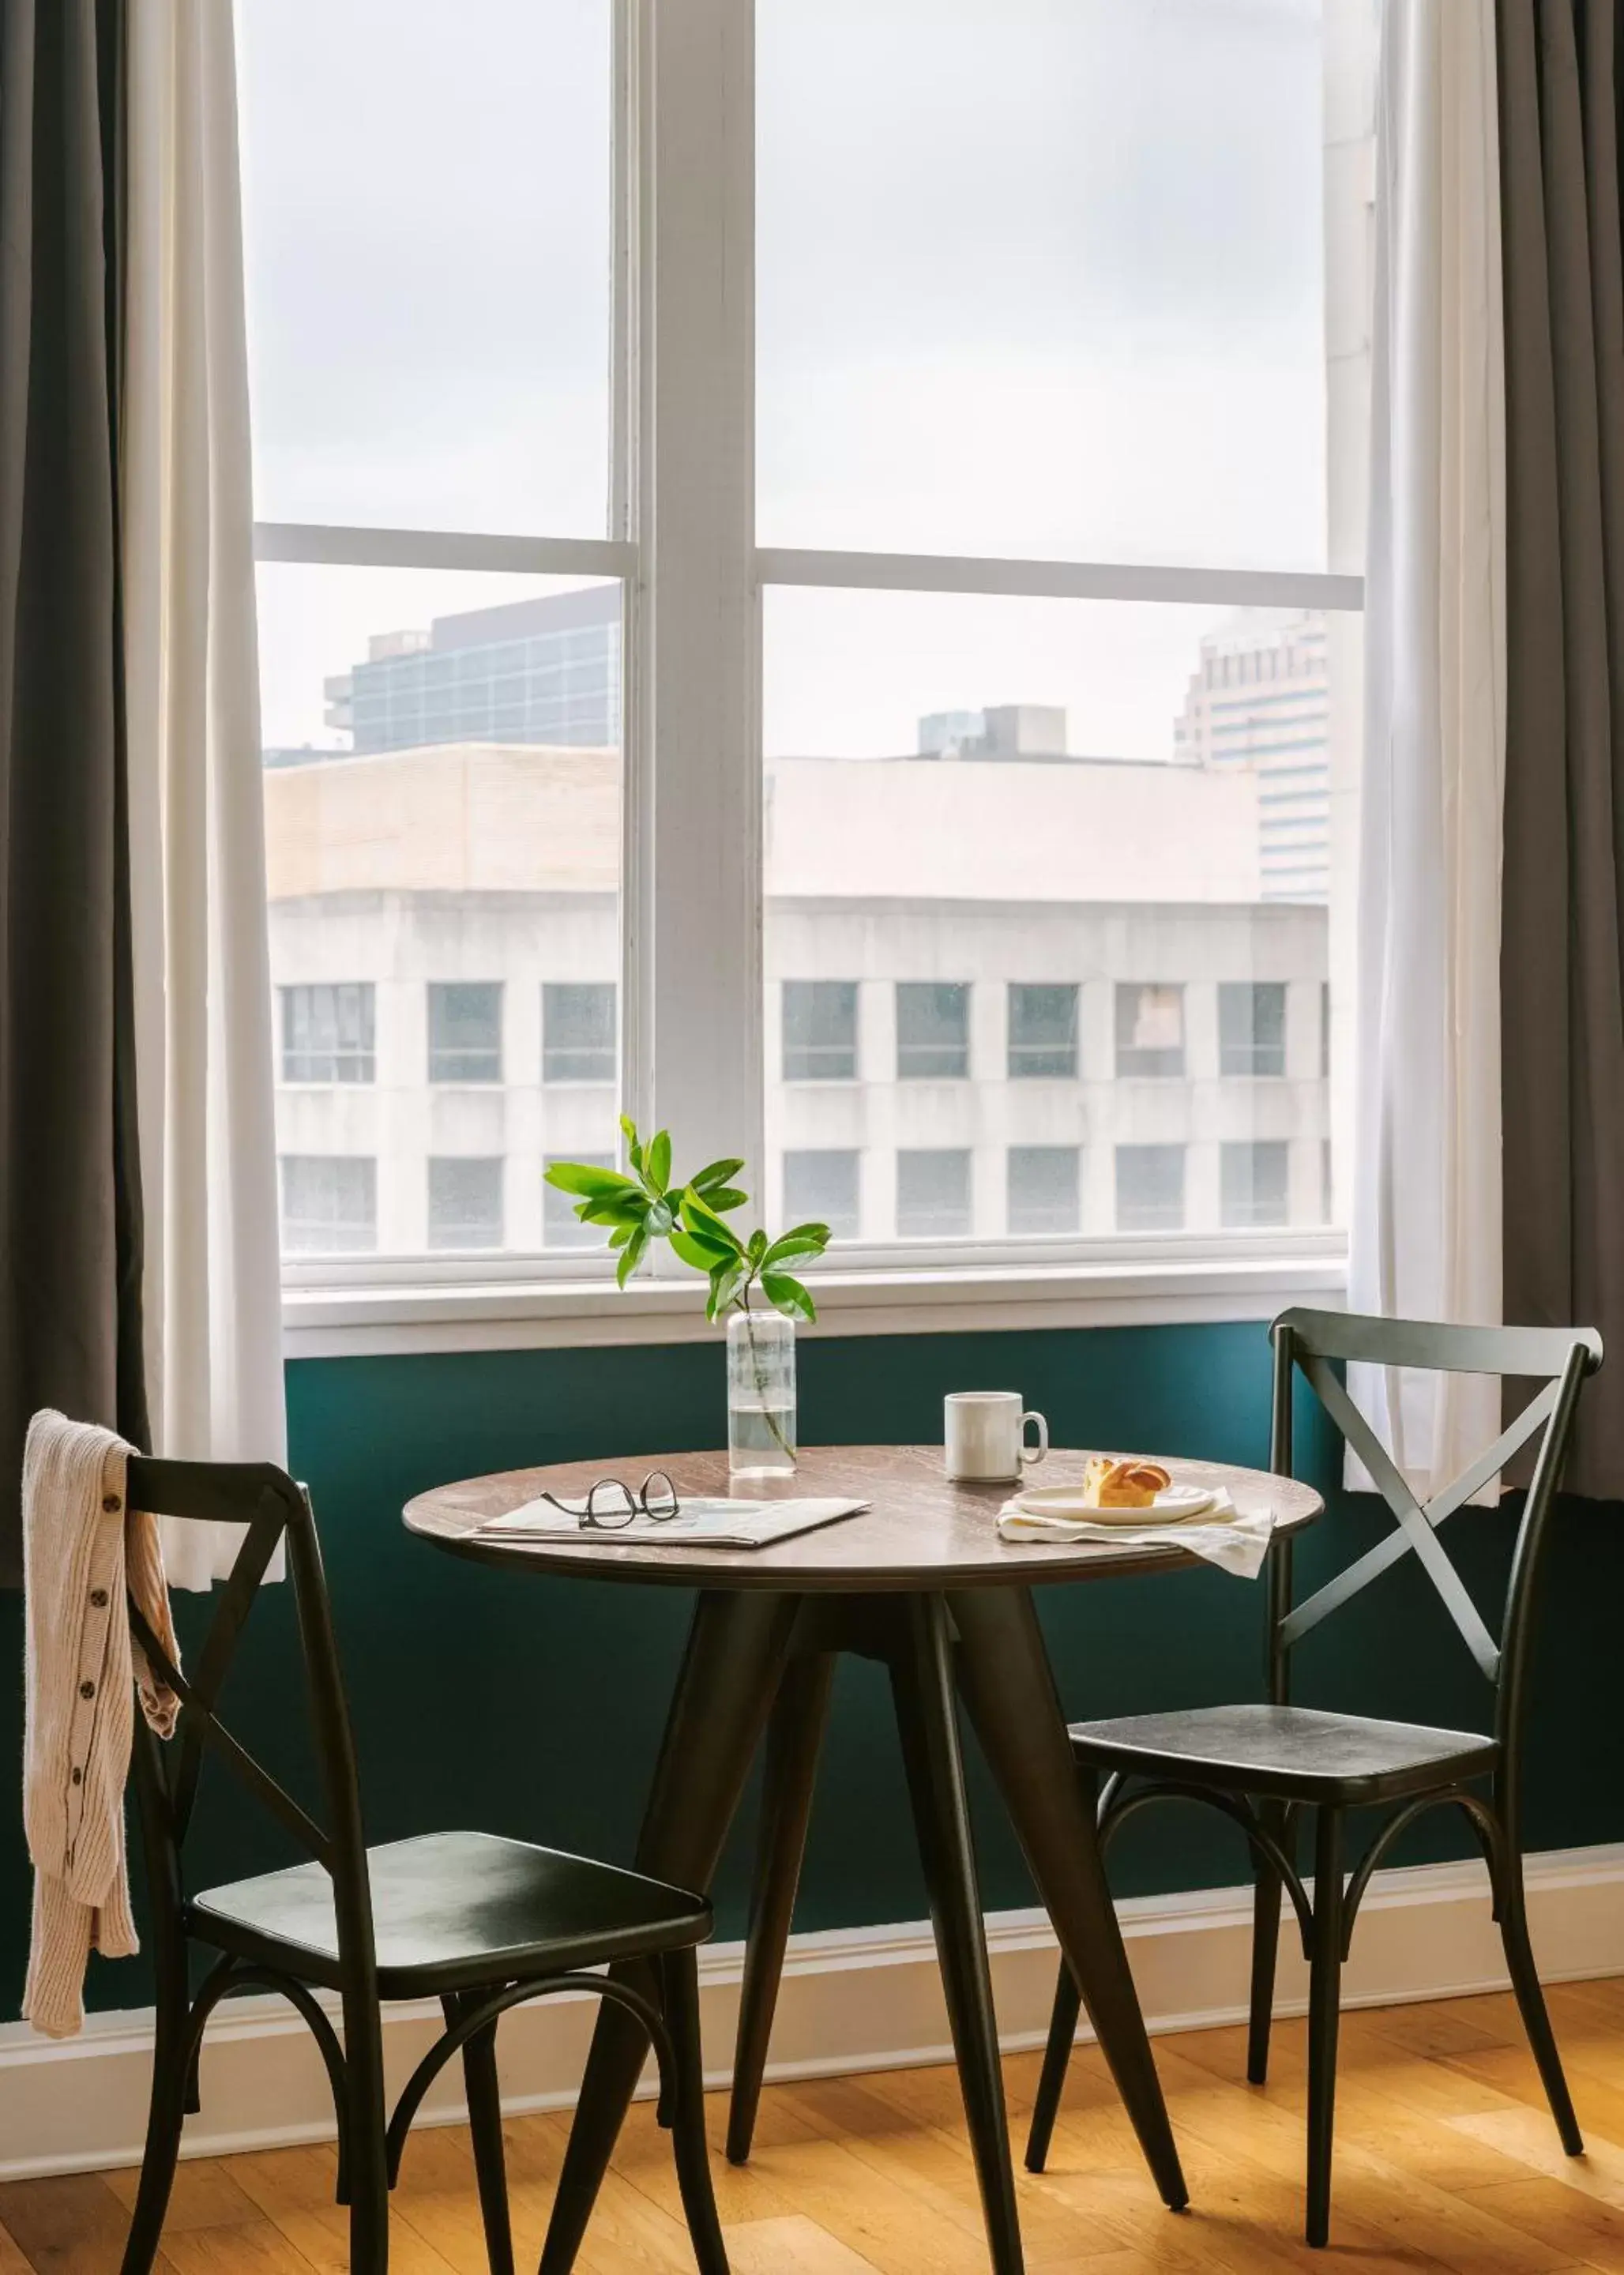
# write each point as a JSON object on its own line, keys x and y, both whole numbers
{"x": 853, "y": 2000}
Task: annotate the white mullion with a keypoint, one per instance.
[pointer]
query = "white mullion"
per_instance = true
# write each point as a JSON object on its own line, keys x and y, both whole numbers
{"x": 1057, "y": 580}
{"x": 328, "y": 545}
{"x": 627, "y": 172}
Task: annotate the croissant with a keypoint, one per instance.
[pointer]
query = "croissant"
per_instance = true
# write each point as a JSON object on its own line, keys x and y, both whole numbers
{"x": 1123, "y": 1485}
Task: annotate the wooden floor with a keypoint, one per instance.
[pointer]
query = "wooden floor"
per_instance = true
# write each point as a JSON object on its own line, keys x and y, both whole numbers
{"x": 1446, "y": 2159}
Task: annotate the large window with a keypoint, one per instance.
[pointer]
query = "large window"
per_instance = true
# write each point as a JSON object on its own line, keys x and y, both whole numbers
{"x": 967, "y": 849}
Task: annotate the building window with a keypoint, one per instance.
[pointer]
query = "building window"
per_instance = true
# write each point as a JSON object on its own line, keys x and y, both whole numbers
{"x": 1043, "y": 1031}
{"x": 820, "y": 1030}
{"x": 561, "y": 1227}
{"x": 822, "y": 1186}
{"x": 1043, "y": 1195}
{"x": 465, "y": 1201}
{"x": 932, "y": 1031}
{"x": 1251, "y": 1027}
{"x": 464, "y": 1030}
{"x": 577, "y": 1032}
{"x": 328, "y": 1032}
{"x": 1254, "y": 1183}
{"x": 1150, "y": 1030}
{"x": 330, "y": 1204}
{"x": 1149, "y": 1188}
{"x": 1325, "y": 1031}
{"x": 932, "y": 1194}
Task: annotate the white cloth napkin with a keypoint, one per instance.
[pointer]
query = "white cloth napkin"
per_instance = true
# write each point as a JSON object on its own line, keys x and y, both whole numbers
{"x": 1236, "y": 1540}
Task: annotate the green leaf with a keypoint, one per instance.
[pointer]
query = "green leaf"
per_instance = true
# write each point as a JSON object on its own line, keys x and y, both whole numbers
{"x": 621, "y": 1234}
{"x": 705, "y": 1224}
{"x": 757, "y": 1246}
{"x": 788, "y": 1295}
{"x": 614, "y": 1208}
{"x": 658, "y": 1167}
{"x": 713, "y": 1174}
{"x": 660, "y": 1219}
{"x": 631, "y": 1255}
{"x": 727, "y": 1283}
{"x": 810, "y": 1240}
{"x": 582, "y": 1177}
{"x": 699, "y": 1253}
{"x": 634, "y": 1149}
{"x": 726, "y": 1197}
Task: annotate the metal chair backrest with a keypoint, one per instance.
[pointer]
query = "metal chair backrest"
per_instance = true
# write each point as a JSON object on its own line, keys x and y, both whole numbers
{"x": 1560, "y": 1358}
{"x": 274, "y": 1510}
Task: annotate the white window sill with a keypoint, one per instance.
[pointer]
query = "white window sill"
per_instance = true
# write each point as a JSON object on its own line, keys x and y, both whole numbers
{"x": 1247, "y": 1278}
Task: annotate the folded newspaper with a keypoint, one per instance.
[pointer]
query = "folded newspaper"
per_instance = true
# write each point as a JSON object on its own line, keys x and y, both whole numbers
{"x": 711, "y": 1523}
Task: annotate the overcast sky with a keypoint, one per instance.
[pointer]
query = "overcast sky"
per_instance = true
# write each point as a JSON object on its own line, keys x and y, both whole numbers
{"x": 1034, "y": 276}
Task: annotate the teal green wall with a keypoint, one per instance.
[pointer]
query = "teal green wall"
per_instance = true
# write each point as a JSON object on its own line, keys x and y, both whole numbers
{"x": 533, "y": 1706}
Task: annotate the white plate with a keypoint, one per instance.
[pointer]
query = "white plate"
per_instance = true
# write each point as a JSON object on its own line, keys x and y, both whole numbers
{"x": 1174, "y": 1506}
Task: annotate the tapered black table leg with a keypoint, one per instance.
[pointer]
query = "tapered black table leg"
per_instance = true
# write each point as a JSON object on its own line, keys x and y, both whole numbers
{"x": 736, "y": 1653}
{"x": 922, "y": 1683}
{"x": 794, "y": 1739}
{"x": 1009, "y": 1689}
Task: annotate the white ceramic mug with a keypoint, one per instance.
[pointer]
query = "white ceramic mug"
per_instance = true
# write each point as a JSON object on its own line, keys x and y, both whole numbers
{"x": 985, "y": 1434}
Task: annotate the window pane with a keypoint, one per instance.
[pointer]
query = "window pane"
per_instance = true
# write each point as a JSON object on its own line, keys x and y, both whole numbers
{"x": 820, "y": 1187}
{"x": 932, "y": 1194}
{"x": 427, "y": 214}
{"x": 464, "y": 1203}
{"x": 1149, "y": 1188}
{"x": 820, "y": 1030}
{"x": 1043, "y": 1188}
{"x": 329, "y": 1205}
{"x": 443, "y": 887}
{"x": 1043, "y": 1031}
{"x": 1255, "y": 1180}
{"x": 1045, "y": 280}
{"x": 932, "y": 1031}
{"x": 561, "y": 1227}
{"x": 577, "y": 1032}
{"x": 1061, "y": 935}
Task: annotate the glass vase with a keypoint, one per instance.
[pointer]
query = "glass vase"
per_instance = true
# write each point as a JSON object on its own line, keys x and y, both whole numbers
{"x": 760, "y": 1395}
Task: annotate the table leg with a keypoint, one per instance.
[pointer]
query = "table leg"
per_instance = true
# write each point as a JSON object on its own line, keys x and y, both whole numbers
{"x": 794, "y": 1739}
{"x": 730, "y": 1674}
{"x": 1009, "y": 1689}
{"x": 927, "y": 1711}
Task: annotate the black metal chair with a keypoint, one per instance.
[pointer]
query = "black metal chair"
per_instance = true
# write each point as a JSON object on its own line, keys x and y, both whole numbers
{"x": 1264, "y": 1765}
{"x": 479, "y": 1923}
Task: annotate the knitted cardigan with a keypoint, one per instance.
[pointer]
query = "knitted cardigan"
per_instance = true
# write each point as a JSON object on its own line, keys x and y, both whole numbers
{"x": 82, "y": 1549}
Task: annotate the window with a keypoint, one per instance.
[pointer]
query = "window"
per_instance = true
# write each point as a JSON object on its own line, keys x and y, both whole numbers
{"x": 577, "y": 1032}
{"x": 932, "y": 1194}
{"x": 327, "y": 1033}
{"x": 464, "y": 1030}
{"x": 465, "y": 1202}
{"x": 1043, "y": 1031}
{"x": 561, "y": 1227}
{"x": 1149, "y": 1188}
{"x": 1043, "y": 1188}
{"x": 820, "y": 1030}
{"x": 1251, "y": 1027}
{"x": 1150, "y": 1031}
{"x": 932, "y": 1032}
{"x": 330, "y": 1204}
{"x": 822, "y": 1187}
{"x": 1255, "y": 1184}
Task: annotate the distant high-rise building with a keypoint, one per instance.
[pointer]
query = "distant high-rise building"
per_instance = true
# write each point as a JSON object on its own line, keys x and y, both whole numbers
{"x": 1261, "y": 698}
{"x": 1003, "y": 730}
{"x": 541, "y": 671}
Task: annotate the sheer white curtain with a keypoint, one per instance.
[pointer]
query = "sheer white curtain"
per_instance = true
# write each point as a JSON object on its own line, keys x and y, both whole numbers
{"x": 1427, "y": 1218}
{"x": 203, "y": 1038}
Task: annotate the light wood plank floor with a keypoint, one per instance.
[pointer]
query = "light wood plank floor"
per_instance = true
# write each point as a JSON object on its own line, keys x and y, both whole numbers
{"x": 1447, "y": 2159}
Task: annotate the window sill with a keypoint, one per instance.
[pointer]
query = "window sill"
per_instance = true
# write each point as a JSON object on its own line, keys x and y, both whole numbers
{"x": 378, "y": 1318}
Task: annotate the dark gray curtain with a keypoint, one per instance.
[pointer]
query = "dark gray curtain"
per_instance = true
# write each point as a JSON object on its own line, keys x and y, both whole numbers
{"x": 70, "y": 1212}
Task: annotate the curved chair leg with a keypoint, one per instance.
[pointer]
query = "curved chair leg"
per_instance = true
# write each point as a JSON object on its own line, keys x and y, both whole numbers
{"x": 1267, "y": 1900}
{"x": 485, "y": 2124}
{"x": 367, "y": 2160}
{"x": 1324, "y": 2015}
{"x": 684, "y": 2094}
{"x": 165, "y": 2117}
{"x": 1056, "y": 2059}
{"x": 1531, "y": 2005}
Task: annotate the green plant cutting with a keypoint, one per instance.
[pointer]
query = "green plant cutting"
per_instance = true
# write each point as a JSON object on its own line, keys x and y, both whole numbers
{"x": 691, "y": 1217}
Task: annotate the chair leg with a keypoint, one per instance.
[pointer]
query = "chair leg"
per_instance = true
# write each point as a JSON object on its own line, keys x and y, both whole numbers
{"x": 484, "y": 2123}
{"x": 1324, "y": 2015}
{"x": 365, "y": 2155}
{"x": 685, "y": 2093}
{"x": 1056, "y": 2058}
{"x": 1531, "y": 2004}
{"x": 166, "y": 2115}
{"x": 1265, "y": 1943}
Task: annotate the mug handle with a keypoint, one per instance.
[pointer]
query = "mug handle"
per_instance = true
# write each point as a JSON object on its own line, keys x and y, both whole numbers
{"x": 1030, "y": 1455}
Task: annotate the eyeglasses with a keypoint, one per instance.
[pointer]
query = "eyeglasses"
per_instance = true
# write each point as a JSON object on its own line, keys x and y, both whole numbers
{"x": 612, "y": 1505}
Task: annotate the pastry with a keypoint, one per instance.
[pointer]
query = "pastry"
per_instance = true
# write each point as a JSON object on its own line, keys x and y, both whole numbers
{"x": 1123, "y": 1485}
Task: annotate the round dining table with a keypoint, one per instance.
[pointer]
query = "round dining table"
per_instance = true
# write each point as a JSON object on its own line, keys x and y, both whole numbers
{"x": 922, "y": 1581}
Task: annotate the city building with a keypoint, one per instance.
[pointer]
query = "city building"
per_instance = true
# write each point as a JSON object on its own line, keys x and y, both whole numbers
{"x": 1260, "y": 698}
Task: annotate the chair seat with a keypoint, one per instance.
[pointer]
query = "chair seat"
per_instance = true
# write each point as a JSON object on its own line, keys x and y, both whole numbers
{"x": 1288, "y": 1752}
{"x": 454, "y": 1911}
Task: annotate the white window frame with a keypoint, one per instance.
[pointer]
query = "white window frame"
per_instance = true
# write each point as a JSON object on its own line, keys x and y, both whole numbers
{"x": 681, "y": 491}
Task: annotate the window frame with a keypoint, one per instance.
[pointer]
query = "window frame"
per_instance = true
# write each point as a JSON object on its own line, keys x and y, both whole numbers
{"x": 690, "y": 999}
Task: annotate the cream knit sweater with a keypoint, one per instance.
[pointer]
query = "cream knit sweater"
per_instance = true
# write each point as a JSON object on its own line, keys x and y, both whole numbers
{"x": 82, "y": 1548}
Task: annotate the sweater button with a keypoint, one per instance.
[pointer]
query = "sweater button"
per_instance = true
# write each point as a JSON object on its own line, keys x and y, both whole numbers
{"x": 98, "y": 1597}
{"x": 87, "y": 1690}
{"x": 110, "y": 1503}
